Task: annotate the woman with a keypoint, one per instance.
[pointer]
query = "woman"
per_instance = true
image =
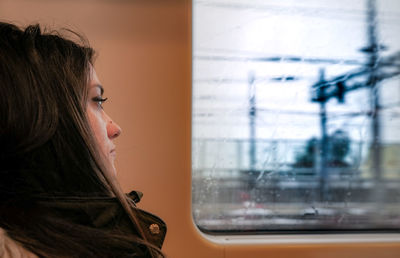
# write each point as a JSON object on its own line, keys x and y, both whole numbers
{"x": 58, "y": 192}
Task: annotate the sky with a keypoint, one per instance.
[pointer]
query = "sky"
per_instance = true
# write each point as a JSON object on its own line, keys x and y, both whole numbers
{"x": 229, "y": 35}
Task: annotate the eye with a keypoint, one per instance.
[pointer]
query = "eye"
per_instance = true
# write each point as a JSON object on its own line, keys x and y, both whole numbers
{"x": 99, "y": 101}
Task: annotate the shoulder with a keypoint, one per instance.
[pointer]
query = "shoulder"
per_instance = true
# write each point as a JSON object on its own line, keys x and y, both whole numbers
{"x": 153, "y": 227}
{"x": 11, "y": 249}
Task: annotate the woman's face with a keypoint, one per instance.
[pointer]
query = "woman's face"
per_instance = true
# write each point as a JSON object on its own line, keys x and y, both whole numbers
{"x": 104, "y": 128}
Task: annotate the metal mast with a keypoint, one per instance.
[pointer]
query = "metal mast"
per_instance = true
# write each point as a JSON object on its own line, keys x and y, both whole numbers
{"x": 252, "y": 121}
{"x": 372, "y": 50}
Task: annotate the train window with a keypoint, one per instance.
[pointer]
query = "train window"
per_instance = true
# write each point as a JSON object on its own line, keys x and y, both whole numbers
{"x": 296, "y": 116}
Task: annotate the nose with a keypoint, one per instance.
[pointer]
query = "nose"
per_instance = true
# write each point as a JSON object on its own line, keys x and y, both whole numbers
{"x": 113, "y": 130}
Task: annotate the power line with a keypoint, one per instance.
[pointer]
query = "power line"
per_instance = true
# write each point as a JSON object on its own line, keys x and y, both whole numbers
{"x": 280, "y": 59}
{"x": 250, "y": 53}
{"x": 292, "y": 78}
{"x": 283, "y": 78}
{"x": 393, "y": 60}
{"x": 242, "y": 112}
{"x": 260, "y": 124}
{"x": 320, "y": 12}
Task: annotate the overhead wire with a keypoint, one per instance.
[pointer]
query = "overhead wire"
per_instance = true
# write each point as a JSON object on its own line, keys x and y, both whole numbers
{"x": 320, "y": 12}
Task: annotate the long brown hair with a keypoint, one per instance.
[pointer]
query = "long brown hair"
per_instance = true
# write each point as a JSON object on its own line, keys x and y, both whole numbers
{"x": 48, "y": 146}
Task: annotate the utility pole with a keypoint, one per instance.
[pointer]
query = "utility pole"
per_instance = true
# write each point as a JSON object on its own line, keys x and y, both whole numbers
{"x": 252, "y": 121}
{"x": 324, "y": 142}
{"x": 372, "y": 50}
{"x": 322, "y": 97}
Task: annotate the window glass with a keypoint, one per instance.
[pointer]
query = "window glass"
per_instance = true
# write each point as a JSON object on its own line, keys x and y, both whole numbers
{"x": 296, "y": 115}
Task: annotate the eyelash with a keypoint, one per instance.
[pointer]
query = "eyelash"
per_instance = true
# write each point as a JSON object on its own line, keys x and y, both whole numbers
{"x": 99, "y": 101}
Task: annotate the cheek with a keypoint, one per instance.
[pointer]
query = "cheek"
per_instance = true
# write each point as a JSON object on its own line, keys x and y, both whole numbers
{"x": 98, "y": 126}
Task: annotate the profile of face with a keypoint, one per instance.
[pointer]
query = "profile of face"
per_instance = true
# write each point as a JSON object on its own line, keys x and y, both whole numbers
{"x": 104, "y": 128}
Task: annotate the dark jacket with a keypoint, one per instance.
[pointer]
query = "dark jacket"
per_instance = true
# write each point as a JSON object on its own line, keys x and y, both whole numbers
{"x": 104, "y": 213}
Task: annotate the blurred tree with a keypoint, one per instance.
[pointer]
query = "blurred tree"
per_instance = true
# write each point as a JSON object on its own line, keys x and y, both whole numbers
{"x": 338, "y": 148}
{"x": 306, "y": 158}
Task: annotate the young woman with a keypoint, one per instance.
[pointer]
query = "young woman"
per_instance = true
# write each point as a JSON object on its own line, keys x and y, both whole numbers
{"x": 58, "y": 192}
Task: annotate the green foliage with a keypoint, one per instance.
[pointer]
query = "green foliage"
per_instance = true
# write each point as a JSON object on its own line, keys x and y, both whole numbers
{"x": 337, "y": 150}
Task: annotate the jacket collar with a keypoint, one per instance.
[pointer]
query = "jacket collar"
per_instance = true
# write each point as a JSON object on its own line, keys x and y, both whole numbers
{"x": 106, "y": 213}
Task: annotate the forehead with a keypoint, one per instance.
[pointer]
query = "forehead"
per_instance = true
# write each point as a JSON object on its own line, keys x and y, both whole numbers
{"x": 94, "y": 82}
{"x": 93, "y": 75}
{"x": 93, "y": 78}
